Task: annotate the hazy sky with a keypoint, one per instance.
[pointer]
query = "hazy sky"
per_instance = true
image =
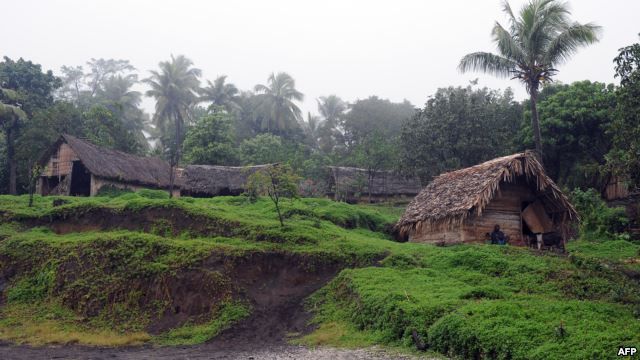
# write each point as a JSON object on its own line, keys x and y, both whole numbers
{"x": 396, "y": 49}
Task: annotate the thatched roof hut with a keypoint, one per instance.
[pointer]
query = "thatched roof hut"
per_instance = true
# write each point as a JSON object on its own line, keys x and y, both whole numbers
{"x": 464, "y": 205}
{"x": 75, "y": 163}
{"x": 352, "y": 184}
{"x": 213, "y": 180}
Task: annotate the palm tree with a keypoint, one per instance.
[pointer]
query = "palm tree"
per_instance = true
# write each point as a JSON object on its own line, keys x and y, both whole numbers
{"x": 10, "y": 118}
{"x": 311, "y": 129}
{"x": 117, "y": 96}
{"x": 541, "y": 37}
{"x": 221, "y": 94}
{"x": 175, "y": 89}
{"x": 278, "y": 98}
{"x": 331, "y": 108}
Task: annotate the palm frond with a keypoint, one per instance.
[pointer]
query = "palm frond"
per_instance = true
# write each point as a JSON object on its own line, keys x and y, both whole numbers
{"x": 567, "y": 42}
{"x": 507, "y": 44}
{"x": 487, "y": 63}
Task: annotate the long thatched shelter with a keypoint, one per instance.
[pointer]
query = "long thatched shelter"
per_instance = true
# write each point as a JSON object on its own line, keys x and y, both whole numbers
{"x": 214, "y": 180}
{"x": 74, "y": 166}
{"x": 358, "y": 185}
{"x": 464, "y": 205}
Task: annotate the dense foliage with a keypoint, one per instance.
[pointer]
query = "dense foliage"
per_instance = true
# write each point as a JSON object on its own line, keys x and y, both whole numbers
{"x": 460, "y": 127}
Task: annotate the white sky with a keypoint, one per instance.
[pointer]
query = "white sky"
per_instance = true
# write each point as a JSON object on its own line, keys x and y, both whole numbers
{"x": 396, "y": 49}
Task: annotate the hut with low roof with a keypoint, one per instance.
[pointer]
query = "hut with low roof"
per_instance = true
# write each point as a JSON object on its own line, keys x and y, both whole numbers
{"x": 214, "y": 180}
{"x": 351, "y": 184}
{"x": 73, "y": 166}
{"x": 513, "y": 192}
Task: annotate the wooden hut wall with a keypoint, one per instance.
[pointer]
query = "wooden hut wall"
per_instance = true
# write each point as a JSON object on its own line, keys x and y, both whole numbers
{"x": 616, "y": 189}
{"x": 60, "y": 162}
{"x": 504, "y": 210}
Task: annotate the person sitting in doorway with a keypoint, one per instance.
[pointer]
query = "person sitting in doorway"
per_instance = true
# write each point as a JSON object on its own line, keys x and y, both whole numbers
{"x": 497, "y": 236}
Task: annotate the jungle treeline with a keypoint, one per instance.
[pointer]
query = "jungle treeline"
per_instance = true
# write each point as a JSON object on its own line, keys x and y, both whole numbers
{"x": 589, "y": 130}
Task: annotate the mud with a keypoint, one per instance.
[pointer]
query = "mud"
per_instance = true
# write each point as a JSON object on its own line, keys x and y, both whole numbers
{"x": 206, "y": 351}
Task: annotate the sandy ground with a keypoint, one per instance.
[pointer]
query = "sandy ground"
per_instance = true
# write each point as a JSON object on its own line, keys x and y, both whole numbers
{"x": 11, "y": 352}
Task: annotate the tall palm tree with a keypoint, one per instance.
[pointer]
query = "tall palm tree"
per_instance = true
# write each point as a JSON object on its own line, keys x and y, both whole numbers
{"x": 10, "y": 118}
{"x": 278, "y": 98}
{"x": 311, "y": 129}
{"x": 117, "y": 95}
{"x": 221, "y": 94}
{"x": 331, "y": 108}
{"x": 537, "y": 40}
{"x": 175, "y": 89}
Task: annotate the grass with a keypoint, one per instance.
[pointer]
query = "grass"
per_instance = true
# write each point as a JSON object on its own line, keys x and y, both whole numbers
{"x": 103, "y": 276}
{"x": 50, "y": 323}
{"x": 475, "y": 301}
{"x": 192, "y": 334}
{"x": 463, "y": 301}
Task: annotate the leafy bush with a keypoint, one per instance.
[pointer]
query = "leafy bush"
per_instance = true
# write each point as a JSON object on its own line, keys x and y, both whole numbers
{"x": 597, "y": 220}
{"x": 153, "y": 194}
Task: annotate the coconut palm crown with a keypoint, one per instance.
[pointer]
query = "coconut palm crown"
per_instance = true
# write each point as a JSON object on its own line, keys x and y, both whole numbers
{"x": 278, "y": 98}
{"x": 537, "y": 40}
{"x": 175, "y": 89}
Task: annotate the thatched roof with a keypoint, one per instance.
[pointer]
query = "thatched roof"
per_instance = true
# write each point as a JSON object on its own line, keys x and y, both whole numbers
{"x": 116, "y": 165}
{"x": 217, "y": 180}
{"x": 451, "y": 197}
{"x": 351, "y": 179}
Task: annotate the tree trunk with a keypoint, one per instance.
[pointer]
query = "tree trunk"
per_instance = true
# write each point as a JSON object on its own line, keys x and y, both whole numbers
{"x": 535, "y": 124}
{"x": 370, "y": 185}
{"x": 279, "y": 214}
{"x": 175, "y": 161}
{"x": 11, "y": 160}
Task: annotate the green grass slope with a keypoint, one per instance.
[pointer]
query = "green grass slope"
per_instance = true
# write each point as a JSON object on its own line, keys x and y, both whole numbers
{"x": 468, "y": 301}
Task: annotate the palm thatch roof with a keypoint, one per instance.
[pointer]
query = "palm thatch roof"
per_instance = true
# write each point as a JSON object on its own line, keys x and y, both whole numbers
{"x": 212, "y": 180}
{"x": 452, "y": 197}
{"x": 116, "y": 165}
{"x": 348, "y": 180}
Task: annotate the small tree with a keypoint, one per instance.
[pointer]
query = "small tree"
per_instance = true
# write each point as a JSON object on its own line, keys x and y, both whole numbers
{"x": 36, "y": 169}
{"x": 276, "y": 181}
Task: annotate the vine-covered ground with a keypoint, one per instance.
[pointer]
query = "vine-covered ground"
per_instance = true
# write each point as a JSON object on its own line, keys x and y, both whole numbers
{"x": 139, "y": 268}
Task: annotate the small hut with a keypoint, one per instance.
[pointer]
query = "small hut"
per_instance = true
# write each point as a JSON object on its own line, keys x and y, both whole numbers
{"x": 213, "y": 180}
{"x": 512, "y": 191}
{"x": 77, "y": 167}
{"x": 351, "y": 184}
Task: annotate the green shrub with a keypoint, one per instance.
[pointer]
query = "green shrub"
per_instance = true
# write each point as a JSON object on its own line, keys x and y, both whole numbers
{"x": 597, "y": 220}
{"x": 153, "y": 194}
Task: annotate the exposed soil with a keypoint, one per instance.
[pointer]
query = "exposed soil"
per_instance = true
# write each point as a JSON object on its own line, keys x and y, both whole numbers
{"x": 166, "y": 221}
{"x": 274, "y": 283}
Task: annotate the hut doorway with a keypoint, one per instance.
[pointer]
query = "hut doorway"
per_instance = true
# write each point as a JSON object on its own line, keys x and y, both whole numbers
{"x": 80, "y": 180}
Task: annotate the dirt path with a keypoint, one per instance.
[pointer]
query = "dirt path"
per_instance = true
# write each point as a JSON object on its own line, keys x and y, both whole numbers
{"x": 10, "y": 352}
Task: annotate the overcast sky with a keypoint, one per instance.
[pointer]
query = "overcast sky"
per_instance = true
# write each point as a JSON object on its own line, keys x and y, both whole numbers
{"x": 396, "y": 49}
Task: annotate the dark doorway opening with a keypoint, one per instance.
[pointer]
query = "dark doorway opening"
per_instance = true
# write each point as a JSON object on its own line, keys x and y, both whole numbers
{"x": 49, "y": 184}
{"x": 80, "y": 180}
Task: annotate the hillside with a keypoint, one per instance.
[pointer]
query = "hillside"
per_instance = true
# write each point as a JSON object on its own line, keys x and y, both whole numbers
{"x": 140, "y": 268}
